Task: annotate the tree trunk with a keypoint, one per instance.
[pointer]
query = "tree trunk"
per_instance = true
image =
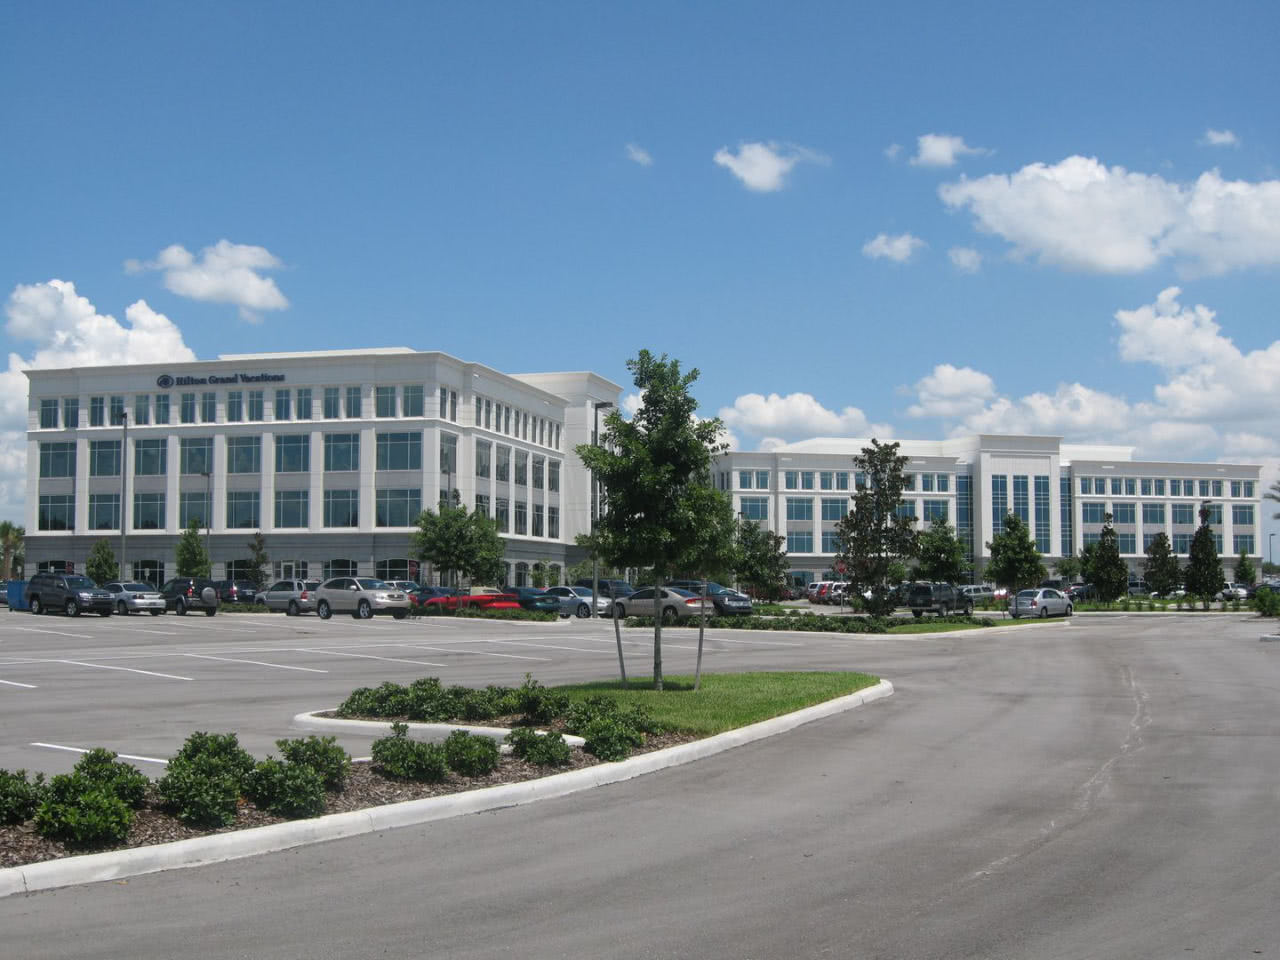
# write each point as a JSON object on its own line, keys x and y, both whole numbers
{"x": 617, "y": 636}
{"x": 657, "y": 637}
{"x": 702, "y": 627}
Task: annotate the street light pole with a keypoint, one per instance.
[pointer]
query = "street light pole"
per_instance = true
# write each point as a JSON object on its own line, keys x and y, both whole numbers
{"x": 595, "y": 507}
{"x": 208, "y": 516}
{"x": 1271, "y": 549}
{"x": 124, "y": 488}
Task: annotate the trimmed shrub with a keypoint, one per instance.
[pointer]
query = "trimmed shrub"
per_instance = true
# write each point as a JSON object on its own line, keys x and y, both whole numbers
{"x": 287, "y": 789}
{"x": 102, "y": 770}
{"x": 610, "y": 738}
{"x": 543, "y": 750}
{"x": 1267, "y": 602}
{"x": 206, "y": 779}
{"x": 805, "y": 621}
{"x": 471, "y": 755}
{"x": 404, "y": 759}
{"x": 486, "y": 614}
{"x": 222, "y": 748}
{"x": 321, "y": 754}
{"x": 81, "y": 813}
{"x": 388, "y": 700}
{"x": 538, "y": 704}
{"x": 20, "y": 797}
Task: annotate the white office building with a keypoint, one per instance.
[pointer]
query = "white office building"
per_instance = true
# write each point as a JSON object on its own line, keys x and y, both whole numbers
{"x": 1061, "y": 491}
{"x": 332, "y": 455}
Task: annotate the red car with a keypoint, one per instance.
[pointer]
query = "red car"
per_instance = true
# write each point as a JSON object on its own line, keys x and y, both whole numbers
{"x": 448, "y": 599}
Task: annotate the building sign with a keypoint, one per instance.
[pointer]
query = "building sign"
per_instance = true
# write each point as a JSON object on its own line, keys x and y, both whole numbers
{"x": 164, "y": 381}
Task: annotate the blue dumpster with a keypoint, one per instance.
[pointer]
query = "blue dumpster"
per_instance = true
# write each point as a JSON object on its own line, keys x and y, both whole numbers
{"x": 18, "y": 595}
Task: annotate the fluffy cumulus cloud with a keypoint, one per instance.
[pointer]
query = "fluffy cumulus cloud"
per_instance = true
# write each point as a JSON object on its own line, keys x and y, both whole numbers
{"x": 1220, "y": 138}
{"x": 965, "y": 259}
{"x": 952, "y": 392}
{"x": 776, "y": 419}
{"x": 763, "y": 167}
{"x": 943, "y": 150}
{"x": 639, "y": 155}
{"x": 65, "y": 330}
{"x": 1082, "y": 215}
{"x": 899, "y": 248}
{"x": 224, "y": 273}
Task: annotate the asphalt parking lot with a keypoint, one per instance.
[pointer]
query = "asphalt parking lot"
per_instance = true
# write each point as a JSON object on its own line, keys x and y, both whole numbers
{"x": 140, "y": 685}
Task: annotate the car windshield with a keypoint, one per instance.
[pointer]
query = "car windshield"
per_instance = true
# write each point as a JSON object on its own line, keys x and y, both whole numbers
{"x": 138, "y": 586}
{"x": 80, "y": 583}
{"x": 367, "y": 583}
{"x": 312, "y": 585}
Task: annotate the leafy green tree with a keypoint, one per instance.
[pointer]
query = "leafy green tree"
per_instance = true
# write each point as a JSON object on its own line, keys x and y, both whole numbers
{"x": 874, "y": 535}
{"x": 940, "y": 556}
{"x": 259, "y": 562}
{"x": 101, "y": 567}
{"x": 456, "y": 541}
{"x": 1088, "y": 556}
{"x": 654, "y": 469}
{"x": 1015, "y": 563}
{"x": 1244, "y": 569}
{"x": 191, "y": 556}
{"x": 762, "y": 560}
{"x": 1068, "y": 568}
{"x": 1204, "y": 567}
{"x": 713, "y": 552}
{"x": 1161, "y": 570}
{"x": 1110, "y": 574}
{"x": 12, "y": 536}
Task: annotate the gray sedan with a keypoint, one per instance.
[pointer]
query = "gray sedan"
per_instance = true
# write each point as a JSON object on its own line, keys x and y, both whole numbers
{"x": 133, "y": 597}
{"x": 676, "y": 604}
{"x": 576, "y": 601}
{"x": 1042, "y": 602}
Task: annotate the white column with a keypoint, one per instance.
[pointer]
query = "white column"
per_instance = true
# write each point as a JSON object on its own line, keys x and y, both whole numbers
{"x": 81, "y": 490}
{"x": 267, "y": 492}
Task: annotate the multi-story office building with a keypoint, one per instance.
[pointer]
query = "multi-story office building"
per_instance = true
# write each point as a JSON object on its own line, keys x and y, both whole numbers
{"x": 332, "y": 455}
{"x": 1060, "y": 491}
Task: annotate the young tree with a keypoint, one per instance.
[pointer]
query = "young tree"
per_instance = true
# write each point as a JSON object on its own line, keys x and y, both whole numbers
{"x": 1015, "y": 562}
{"x": 11, "y": 542}
{"x": 1161, "y": 569}
{"x": 1244, "y": 572}
{"x": 1204, "y": 567}
{"x": 652, "y": 469}
{"x": 712, "y": 553}
{"x": 457, "y": 541}
{"x": 940, "y": 556}
{"x": 191, "y": 557}
{"x": 259, "y": 562}
{"x": 1110, "y": 574}
{"x": 1088, "y": 554}
{"x": 101, "y": 567}
{"x": 874, "y": 535}
{"x": 1068, "y": 568}
{"x": 762, "y": 560}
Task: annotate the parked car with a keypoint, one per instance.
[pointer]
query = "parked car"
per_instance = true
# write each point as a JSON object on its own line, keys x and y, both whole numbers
{"x": 611, "y": 589}
{"x": 811, "y": 589}
{"x": 237, "y": 591}
{"x": 940, "y": 598}
{"x": 1232, "y": 591}
{"x": 431, "y": 599}
{"x": 362, "y": 597}
{"x": 1138, "y": 587}
{"x": 1041, "y": 602}
{"x": 133, "y": 597}
{"x": 577, "y": 601}
{"x": 190, "y": 593}
{"x": 1082, "y": 591}
{"x": 408, "y": 586}
{"x": 675, "y": 603}
{"x": 68, "y": 592}
{"x": 727, "y": 602}
{"x": 4, "y": 593}
{"x": 977, "y": 593}
{"x": 537, "y": 599}
{"x": 294, "y": 597}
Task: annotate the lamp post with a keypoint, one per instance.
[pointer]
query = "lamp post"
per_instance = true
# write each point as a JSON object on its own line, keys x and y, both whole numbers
{"x": 1271, "y": 549}
{"x": 208, "y": 515}
{"x": 124, "y": 487}
{"x": 595, "y": 506}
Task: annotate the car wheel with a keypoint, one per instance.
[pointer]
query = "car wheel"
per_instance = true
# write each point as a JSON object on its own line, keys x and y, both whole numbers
{"x": 967, "y": 610}
{"x": 180, "y": 608}
{"x": 622, "y": 610}
{"x": 917, "y": 614}
{"x": 1070, "y": 611}
{"x": 583, "y": 611}
{"x": 72, "y": 608}
{"x": 944, "y": 610}
{"x": 156, "y": 613}
{"x": 292, "y": 611}
{"x": 122, "y": 609}
{"x": 1044, "y": 612}
{"x": 364, "y": 611}
{"x": 36, "y": 607}
{"x": 210, "y": 611}
{"x": 323, "y": 611}
{"x": 668, "y": 614}
{"x": 104, "y": 613}
{"x": 399, "y": 614}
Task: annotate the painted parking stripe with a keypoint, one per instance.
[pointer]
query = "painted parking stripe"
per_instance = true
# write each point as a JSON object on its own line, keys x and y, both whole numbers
{"x": 758, "y": 643}
{"x": 122, "y": 756}
{"x": 15, "y": 683}
{"x": 369, "y": 656}
{"x": 549, "y": 646}
{"x": 256, "y": 663}
{"x": 481, "y": 653}
{"x": 59, "y": 633}
{"x": 103, "y": 666}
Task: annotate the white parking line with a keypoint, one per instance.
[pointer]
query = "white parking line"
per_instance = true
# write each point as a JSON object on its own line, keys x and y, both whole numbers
{"x": 369, "y": 656}
{"x": 256, "y": 663}
{"x": 60, "y": 633}
{"x": 103, "y": 666}
{"x": 122, "y": 756}
{"x": 15, "y": 683}
{"x": 548, "y": 646}
{"x": 509, "y": 656}
{"x": 759, "y": 643}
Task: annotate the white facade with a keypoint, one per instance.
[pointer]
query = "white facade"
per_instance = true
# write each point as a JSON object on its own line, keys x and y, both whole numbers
{"x": 331, "y": 455}
{"x": 1060, "y": 490}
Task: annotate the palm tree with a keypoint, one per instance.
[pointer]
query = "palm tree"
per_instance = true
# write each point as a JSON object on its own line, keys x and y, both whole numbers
{"x": 11, "y": 542}
{"x": 1274, "y": 494}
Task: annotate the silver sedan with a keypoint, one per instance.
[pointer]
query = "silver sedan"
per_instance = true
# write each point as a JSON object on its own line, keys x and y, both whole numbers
{"x": 576, "y": 601}
{"x": 1044, "y": 602}
{"x": 134, "y": 597}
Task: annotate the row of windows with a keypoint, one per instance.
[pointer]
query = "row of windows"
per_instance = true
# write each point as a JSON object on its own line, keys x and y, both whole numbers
{"x": 1127, "y": 542}
{"x": 1182, "y": 514}
{"x": 500, "y": 467}
{"x": 501, "y": 418}
{"x": 1155, "y": 486}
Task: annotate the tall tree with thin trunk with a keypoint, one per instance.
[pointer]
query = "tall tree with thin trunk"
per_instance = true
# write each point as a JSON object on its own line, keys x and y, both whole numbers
{"x": 877, "y": 534}
{"x": 11, "y": 537}
{"x": 1161, "y": 569}
{"x": 1204, "y": 566}
{"x": 1015, "y": 563}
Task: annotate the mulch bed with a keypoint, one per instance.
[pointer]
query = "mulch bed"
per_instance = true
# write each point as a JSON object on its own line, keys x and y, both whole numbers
{"x": 364, "y": 788}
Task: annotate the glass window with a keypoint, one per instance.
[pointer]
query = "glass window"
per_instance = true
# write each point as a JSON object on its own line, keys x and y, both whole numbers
{"x": 97, "y": 411}
{"x": 744, "y": 477}
{"x": 1215, "y": 515}
{"x": 341, "y": 453}
{"x": 799, "y": 541}
{"x": 1182, "y": 543}
{"x": 1089, "y": 538}
{"x": 411, "y": 398}
{"x": 1184, "y": 513}
{"x": 943, "y": 482}
{"x": 502, "y": 513}
{"x": 1124, "y": 513}
{"x": 257, "y": 406}
{"x": 1159, "y": 486}
{"x": 453, "y": 406}
{"x": 792, "y": 479}
{"x": 187, "y": 408}
{"x": 762, "y": 479}
{"x": 71, "y": 412}
{"x": 1115, "y": 487}
{"x": 1147, "y": 540}
{"x": 522, "y": 468}
{"x": 208, "y": 407}
{"x": 104, "y": 511}
{"x": 1127, "y": 542}
{"x": 195, "y": 455}
{"x": 506, "y": 420}
{"x": 148, "y": 511}
{"x": 444, "y": 402}
{"x": 1085, "y": 485}
{"x": 1153, "y": 513}
{"x": 806, "y": 480}
{"x": 117, "y": 410}
{"x": 482, "y": 504}
{"x": 56, "y": 512}
{"x": 488, "y": 414}
{"x": 399, "y": 451}
{"x": 830, "y": 541}
{"x": 58, "y": 459}
{"x": 244, "y": 454}
{"x": 502, "y": 467}
{"x": 1242, "y": 543}
{"x": 553, "y": 523}
{"x": 755, "y": 508}
{"x": 1092, "y": 512}
{"x": 522, "y": 518}
{"x": 1130, "y": 486}
{"x": 842, "y": 479}
{"x": 906, "y": 508}
{"x": 935, "y": 511}
{"x": 1242, "y": 515}
{"x": 151, "y": 457}
{"x": 1248, "y": 488}
{"x": 926, "y": 482}
{"x": 553, "y": 476}
{"x": 162, "y": 408}
{"x": 537, "y": 520}
{"x": 235, "y": 406}
{"x": 104, "y": 458}
{"x": 1000, "y": 502}
{"x": 1021, "y": 499}
{"x": 908, "y": 481}
{"x": 1146, "y": 486}
{"x": 483, "y": 452}
{"x": 353, "y": 403}
{"x": 833, "y": 508}
{"x": 281, "y": 410}
{"x": 49, "y": 414}
{"x": 331, "y": 403}
{"x": 304, "y": 403}
{"x": 398, "y": 508}
{"x": 293, "y": 453}
{"x": 539, "y": 464}
{"x": 384, "y": 399}
{"x": 291, "y": 508}
{"x": 1217, "y": 488}
{"x": 799, "y": 508}
{"x": 243, "y": 509}
{"x": 342, "y": 508}
{"x": 192, "y": 505}
{"x": 1204, "y": 488}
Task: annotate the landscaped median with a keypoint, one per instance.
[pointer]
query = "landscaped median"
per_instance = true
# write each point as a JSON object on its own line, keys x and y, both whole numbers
{"x": 834, "y": 623}
{"x": 216, "y": 802}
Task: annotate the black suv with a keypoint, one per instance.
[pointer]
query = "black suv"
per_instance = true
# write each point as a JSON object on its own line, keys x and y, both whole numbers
{"x": 68, "y": 592}
{"x": 190, "y": 593}
{"x": 237, "y": 591}
{"x": 939, "y": 598}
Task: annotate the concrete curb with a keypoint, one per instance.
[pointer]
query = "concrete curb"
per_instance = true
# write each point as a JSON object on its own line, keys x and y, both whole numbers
{"x": 1270, "y": 637}
{"x": 116, "y": 865}
{"x": 431, "y": 732}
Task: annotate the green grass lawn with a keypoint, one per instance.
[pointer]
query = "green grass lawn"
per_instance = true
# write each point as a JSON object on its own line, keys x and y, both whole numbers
{"x": 726, "y": 700}
{"x": 927, "y": 625}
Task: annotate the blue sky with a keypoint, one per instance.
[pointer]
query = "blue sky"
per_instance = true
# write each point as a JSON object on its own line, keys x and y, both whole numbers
{"x": 556, "y": 186}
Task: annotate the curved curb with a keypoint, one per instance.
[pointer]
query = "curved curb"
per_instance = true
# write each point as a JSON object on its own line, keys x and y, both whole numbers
{"x": 215, "y": 848}
{"x": 432, "y": 732}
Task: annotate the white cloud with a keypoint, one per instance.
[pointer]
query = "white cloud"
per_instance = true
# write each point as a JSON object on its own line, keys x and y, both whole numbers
{"x": 892, "y": 151}
{"x": 763, "y": 167}
{"x": 224, "y": 273}
{"x": 899, "y": 248}
{"x": 778, "y": 419}
{"x": 639, "y": 155}
{"x": 942, "y": 150}
{"x": 1220, "y": 138}
{"x": 965, "y": 259}
{"x": 951, "y": 392}
{"x": 1084, "y": 216}
{"x": 630, "y": 404}
{"x": 67, "y": 331}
